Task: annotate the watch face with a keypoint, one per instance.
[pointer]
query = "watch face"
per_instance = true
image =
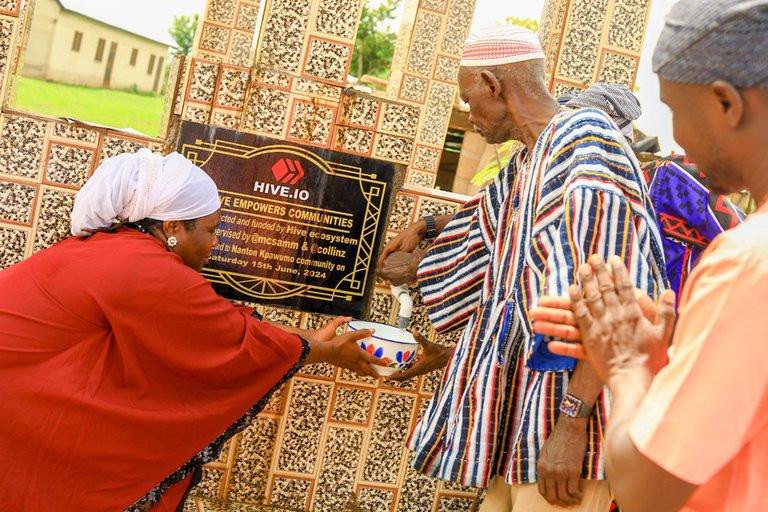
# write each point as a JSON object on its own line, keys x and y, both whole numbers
{"x": 570, "y": 405}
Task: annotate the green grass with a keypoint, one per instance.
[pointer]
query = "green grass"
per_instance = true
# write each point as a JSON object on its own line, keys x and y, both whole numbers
{"x": 117, "y": 109}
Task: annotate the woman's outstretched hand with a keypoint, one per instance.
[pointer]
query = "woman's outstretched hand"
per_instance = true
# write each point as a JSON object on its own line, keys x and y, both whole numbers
{"x": 344, "y": 352}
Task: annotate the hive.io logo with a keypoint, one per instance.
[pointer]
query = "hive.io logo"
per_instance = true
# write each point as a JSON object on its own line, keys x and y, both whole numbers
{"x": 288, "y": 171}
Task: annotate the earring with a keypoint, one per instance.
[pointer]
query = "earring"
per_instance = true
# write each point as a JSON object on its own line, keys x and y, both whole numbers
{"x": 171, "y": 242}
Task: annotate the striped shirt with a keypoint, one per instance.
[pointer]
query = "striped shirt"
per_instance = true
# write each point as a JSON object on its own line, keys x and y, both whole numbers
{"x": 579, "y": 192}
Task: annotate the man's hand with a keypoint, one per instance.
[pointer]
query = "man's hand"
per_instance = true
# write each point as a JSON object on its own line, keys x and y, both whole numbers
{"x": 400, "y": 267}
{"x": 560, "y": 462}
{"x": 433, "y": 356}
{"x": 554, "y": 317}
{"x": 614, "y": 330}
{"x": 406, "y": 241}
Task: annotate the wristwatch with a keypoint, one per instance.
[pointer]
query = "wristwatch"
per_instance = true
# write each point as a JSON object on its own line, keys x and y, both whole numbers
{"x": 431, "y": 232}
{"x": 574, "y": 407}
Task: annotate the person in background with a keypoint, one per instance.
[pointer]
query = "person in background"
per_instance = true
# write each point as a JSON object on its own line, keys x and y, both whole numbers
{"x": 689, "y": 425}
{"x": 121, "y": 370}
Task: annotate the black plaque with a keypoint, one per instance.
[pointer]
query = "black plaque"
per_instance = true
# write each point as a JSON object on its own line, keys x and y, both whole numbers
{"x": 300, "y": 225}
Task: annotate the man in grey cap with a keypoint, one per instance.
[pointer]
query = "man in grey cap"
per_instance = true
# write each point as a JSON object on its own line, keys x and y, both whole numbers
{"x": 689, "y": 425}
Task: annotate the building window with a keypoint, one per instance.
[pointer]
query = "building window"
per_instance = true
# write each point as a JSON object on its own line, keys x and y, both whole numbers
{"x": 100, "y": 50}
{"x": 151, "y": 64}
{"x": 76, "y": 41}
{"x": 134, "y": 56}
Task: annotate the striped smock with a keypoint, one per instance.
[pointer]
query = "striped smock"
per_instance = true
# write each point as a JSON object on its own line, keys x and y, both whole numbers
{"x": 579, "y": 192}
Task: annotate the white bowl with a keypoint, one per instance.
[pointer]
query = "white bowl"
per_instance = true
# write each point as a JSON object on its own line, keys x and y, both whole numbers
{"x": 395, "y": 346}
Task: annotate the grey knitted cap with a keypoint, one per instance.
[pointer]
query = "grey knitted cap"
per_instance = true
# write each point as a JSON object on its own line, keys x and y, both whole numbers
{"x": 707, "y": 40}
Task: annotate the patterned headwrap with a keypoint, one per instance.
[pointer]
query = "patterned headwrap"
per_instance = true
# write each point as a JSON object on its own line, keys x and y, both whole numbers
{"x": 614, "y": 99}
{"x": 502, "y": 44}
{"x": 135, "y": 186}
{"x": 707, "y": 40}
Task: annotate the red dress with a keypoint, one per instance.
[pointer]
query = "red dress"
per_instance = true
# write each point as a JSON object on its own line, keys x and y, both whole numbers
{"x": 121, "y": 370}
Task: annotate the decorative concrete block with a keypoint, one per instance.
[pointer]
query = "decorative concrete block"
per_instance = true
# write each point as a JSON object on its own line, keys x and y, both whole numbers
{"x": 425, "y": 37}
{"x": 374, "y": 499}
{"x": 221, "y": 11}
{"x": 226, "y": 118}
{"x": 266, "y": 111}
{"x": 240, "y": 49}
{"x": 53, "y": 222}
{"x": 307, "y": 408}
{"x": 231, "y": 87}
{"x": 317, "y": 89}
{"x": 417, "y": 491}
{"x": 82, "y": 135}
{"x": 421, "y": 179}
{"x": 254, "y": 456}
{"x": 197, "y": 113}
{"x": 21, "y": 146}
{"x": 210, "y": 484}
{"x": 68, "y": 165}
{"x": 427, "y": 158}
{"x": 340, "y": 460}
{"x": 626, "y": 24}
{"x": 202, "y": 82}
{"x": 353, "y": 140}
{"x": 459, "y": 19}
{"x": 328, "y": 60}
{"x": 215, "y": 38}
{"x": 434, "y": 5}
{"x": 402, "y": 212}
{"x": 359, "y": 111}
{"x": 113, "y": 146}
{"x": 438, "y": 114}
{"x": 391, "y": 147}
{"x": 581, "y": 41}
{"x": 291, "y": 493}
{"x": 447, "y": 68}
{"x": 13, "y": 243}
{"x": 283, "y": 35}
{"x": 311, "y": 121}
{"x": 247, "y": 16}
{"x": 388, "y": 436}
{"x": 338, "y": 18}
{"x": 17, "y": 202}
{"x": 616, "y": 68}
{"x": 351, "y": 405}
{"x": 413, "y": 88}
{"x": 455, "y": 504}
{"x": 399, "y": 119}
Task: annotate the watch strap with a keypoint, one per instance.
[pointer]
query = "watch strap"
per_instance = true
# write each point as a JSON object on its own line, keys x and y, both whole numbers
{"x": 431, "y": 232}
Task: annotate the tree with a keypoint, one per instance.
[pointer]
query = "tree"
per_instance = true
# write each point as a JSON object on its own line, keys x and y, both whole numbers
{"x": 375, "y": 44}
{"x": 528, "y": 23}
{"x": 183, "y": 32}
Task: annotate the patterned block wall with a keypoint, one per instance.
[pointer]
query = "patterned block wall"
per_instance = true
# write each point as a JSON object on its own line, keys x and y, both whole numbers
{"x": 328, "y": 438}
{"x": 586, "y": 41}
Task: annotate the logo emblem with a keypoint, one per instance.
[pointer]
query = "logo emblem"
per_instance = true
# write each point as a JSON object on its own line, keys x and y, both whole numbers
{"x": 288, "y": 171}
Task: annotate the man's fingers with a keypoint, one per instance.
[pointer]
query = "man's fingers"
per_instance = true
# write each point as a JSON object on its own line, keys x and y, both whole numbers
{"x": 574, "y": 489}
{"x": 563, "y": 495}
{"x": 666, "y": 320}
{"x": 580, "y": 310}
{"x": 542, "y": 487}
{"x": 421, "y": 340}
{"x": 624, "y": 287}
{"x": 554, "y": 315}
{"x": 556, "y": 330}
{"x": 575, "y": 350}
{"x": 605, "y": 281}
{"x": 550, "y": 301}
{"x": 593, "y": 299}
{"x": 551, "y": 495}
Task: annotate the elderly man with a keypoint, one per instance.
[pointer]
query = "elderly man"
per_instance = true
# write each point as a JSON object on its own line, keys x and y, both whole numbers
{"x": 689, "y": 426}
{"x": 573, "y": 190}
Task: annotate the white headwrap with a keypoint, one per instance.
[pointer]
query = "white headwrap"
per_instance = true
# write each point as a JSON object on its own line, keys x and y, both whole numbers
{"x": 135, "y": 186}
{"x": 502, "y": 44}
